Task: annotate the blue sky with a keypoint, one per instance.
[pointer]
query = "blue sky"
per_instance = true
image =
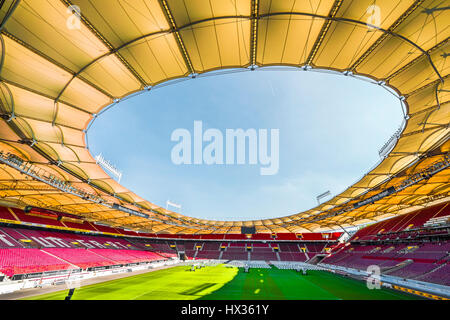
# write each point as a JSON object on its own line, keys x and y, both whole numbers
{"x": 330, "y": 126}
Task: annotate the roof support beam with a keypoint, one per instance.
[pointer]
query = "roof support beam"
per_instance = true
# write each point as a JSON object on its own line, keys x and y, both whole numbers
{"x": 43, "y": 95}
{"x": 430, "y": 84}
{"x": 109, "y": 45}
{"x": 182, "y": 48}
{"x": 326, "y": 25}
{"x": 44, "y": 56}
{"x": 357, "y": 22}
{"x": 411, "y": 63}
{"x": 254, "y": 31}
{"x": 132, "y": 225}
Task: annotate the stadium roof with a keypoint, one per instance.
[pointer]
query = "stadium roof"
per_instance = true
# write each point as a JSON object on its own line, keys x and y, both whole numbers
{"x": 57, "y": 75}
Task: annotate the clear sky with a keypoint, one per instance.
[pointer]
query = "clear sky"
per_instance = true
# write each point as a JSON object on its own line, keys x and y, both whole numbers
{"x": 330, "y": 130}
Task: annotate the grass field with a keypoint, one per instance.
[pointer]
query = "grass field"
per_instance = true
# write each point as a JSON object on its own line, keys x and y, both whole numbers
{"x": 229, "y": 283}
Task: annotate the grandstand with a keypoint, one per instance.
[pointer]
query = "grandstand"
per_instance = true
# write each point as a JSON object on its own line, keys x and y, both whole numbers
{"x": 64, "y": 218}
{"x": 405, "y": 247}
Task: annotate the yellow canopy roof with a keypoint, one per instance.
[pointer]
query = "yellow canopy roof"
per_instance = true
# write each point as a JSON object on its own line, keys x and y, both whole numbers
{"x": 63, "y": 62}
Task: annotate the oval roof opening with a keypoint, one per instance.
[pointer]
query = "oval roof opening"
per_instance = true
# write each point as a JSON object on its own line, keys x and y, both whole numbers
{"x": 330, "y": 129}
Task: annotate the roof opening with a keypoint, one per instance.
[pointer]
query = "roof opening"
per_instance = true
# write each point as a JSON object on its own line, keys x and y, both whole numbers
{"x": 330, "y": 130}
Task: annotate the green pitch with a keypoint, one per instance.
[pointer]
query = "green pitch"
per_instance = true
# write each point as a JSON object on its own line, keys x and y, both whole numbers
{"x": 228, "y": 283}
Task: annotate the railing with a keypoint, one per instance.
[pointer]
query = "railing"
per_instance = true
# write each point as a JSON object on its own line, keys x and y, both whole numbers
{"x": 389, "y": 145}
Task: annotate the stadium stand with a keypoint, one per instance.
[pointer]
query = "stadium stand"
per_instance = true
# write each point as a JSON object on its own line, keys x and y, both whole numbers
{"x": 404, "y": 223}
{"x": 26, "y": 250}
{"x": 83, "y": 258}
{"x": 407, "y": 246}
{"x": 23, "y": 261}
{"x": 412, "y": 246}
